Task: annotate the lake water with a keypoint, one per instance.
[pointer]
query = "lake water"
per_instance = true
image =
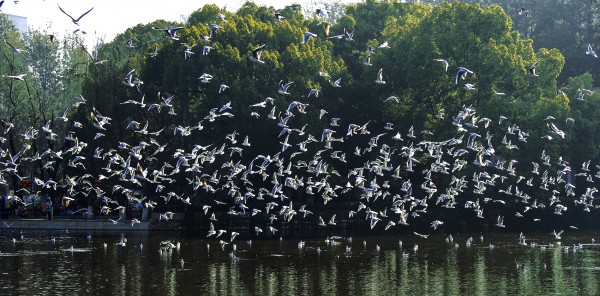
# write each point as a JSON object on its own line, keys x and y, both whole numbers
{"x": 78, "y": 263}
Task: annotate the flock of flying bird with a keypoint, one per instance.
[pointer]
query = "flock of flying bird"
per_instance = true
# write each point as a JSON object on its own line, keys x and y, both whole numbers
{"x": 382, "y": 188}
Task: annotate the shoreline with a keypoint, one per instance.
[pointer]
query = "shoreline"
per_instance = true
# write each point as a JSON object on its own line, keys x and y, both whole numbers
{"x": 74, "y": 224}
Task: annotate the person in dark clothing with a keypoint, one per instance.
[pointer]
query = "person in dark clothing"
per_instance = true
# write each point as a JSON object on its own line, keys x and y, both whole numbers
{"x": 49, "y": 208}
{"x": 21, "y": 211}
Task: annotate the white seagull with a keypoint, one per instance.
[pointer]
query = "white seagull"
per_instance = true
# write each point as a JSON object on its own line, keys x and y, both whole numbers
{"x": 205, "y": 78}
{"x": 17, "y": 77}
{"x": 532, "y": 69}
{"x": 213, "y": 29}
{"x": 255, "y": 57}
{"x": 307, "y": 36}
{"x": 384, "y": 45}
{"x": 557, "y": 235}
{"x": 379, "y": 79}
{"x": 206, "y": 49}
{"x": 349, "y": 35}
{"x": 278, "y": 17}
{"x": 322, "y": 13}
{"x": 591, "y": 51}
{"x": 313, "y": 91}
{"x": 154, "y": 53}
{"x": 127, "y": 79}
{"x": 336, "y": 83}
{"x": 170, "y": 31}
{"x": 461, "y": 74}
{"x": 500, "y": 222}
{"x": 523, "y": 11}
{"x": 283, "y": 88}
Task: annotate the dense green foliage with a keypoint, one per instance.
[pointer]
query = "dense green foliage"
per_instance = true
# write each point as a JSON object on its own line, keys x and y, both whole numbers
{"x": 568, "y": 25}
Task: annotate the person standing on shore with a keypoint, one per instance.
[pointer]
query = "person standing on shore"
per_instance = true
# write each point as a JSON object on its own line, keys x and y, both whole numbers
{"x": 21, "y": 211}
{"x": 49, "y": 208}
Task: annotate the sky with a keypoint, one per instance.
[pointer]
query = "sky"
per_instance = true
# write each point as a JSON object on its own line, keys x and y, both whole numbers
{"x": 111, "y": 17}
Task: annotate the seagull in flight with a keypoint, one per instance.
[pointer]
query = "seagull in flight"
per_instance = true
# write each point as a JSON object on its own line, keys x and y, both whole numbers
{"x": 206, "y": 49}
{"x": 532, "y": 69}
{"x": 326, "y": 135}
{"x": 557, "y": 235}
{"x": 523, "y": 11}
{"x": 75, "y": 21}
{"x": 349, "y": 35}
{"x": 17, "y": 50}
{"x": 255, "y": 57}
{"x": 469, "y": 86}
{"x": 462, "y": 74}
{"x": 384, "y": 45}
{"x": 307, "y": 36}
{"x": 205, "y": 78}
{"x": 591, "y": 51}
{"x": 213, "y": 29}
{"x": 127, "y": 79}
{"x": 278, "y": 17}
{"x": 324, "y": 74}
{"x": 313, "y": 91}
{"x": 284, "y": 87}
{"x": 522, "y": 240}
{"x": 170, "y": 31}
{"x": 223, "y": 87}
{"x": 154, "y": 53}
{"x": 421, "y": 235}
{"x": 322, "y": 13}
{"x": 392, "y": 98}
{"x": 336, "y": 83}
{"x": 17, "y": 77}
{"x": 332, "y": 220}
{"x": 500, "y": 222}
{"x": 379, "y": 79}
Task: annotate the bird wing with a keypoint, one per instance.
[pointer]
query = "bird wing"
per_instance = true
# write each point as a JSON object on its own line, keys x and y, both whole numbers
{"x": 306, "y": 37}
{"x": 212, "y": 30}
{"x": 128, "y": 76}
{"x": 66, "y": 13}
{"x": 11, "y": 46}
{"x": 256, "y": 52}
{"x": 77, "y": 20}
